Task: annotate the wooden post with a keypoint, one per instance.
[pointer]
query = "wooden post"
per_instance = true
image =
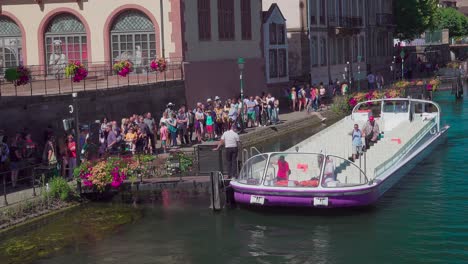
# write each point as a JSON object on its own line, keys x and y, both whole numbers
{"x": 214, "y": 194}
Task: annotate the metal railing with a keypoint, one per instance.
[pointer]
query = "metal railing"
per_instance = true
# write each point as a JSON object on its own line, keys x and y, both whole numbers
{"x": 37, "y": 175}
{"x": 101, "y": 76}
{"x": 405, "y": 149}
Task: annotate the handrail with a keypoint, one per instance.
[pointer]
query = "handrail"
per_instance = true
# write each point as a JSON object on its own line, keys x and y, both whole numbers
{"x": 351, "y": 164}
{"x": 404, "y": 150}
{"x": 254, "y": 149}
{"x": 245, "y": 156}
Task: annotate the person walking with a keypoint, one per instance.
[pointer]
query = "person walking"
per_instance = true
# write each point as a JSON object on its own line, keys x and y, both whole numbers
{"x": 71, "y": 149}
{"x": 371, "y": 81}
{"x": 356, "y": 141}
{"x": 230, "y": 139}
{"x": 380, "y": 81}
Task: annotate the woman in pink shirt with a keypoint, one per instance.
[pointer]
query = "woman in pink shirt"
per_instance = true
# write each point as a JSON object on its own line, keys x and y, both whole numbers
{"x": 283, "y": 169}
{"x": 164, "y": 134}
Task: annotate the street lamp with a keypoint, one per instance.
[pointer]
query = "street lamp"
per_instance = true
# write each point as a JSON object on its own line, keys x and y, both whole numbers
{"x": 392, "y": 67}
{"x": 240, "y": 64}
{"x": 402, "y": 55}
{"x": 359, "y": 58}
{"x": 348, "y": 70}
{"x": 74, "y": 110}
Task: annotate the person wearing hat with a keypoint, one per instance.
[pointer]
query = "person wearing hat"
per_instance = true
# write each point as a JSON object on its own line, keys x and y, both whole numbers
{"x": 371, "y": 131}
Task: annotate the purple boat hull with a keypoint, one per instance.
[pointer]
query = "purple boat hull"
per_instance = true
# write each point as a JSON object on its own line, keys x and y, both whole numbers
{"x": 362, "y": 199}
{"x": 355, "y": 197}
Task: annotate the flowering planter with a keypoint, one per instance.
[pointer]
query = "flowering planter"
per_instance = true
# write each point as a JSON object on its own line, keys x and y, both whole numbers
{"x": 76, "y": 71}
{"x": 122, "y": 68}
{"x": 159, "y": 65}
{"x": 18, "y": 76}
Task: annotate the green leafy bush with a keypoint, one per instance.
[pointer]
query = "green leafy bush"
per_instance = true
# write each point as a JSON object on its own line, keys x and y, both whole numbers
{"x": 59, "y": 188}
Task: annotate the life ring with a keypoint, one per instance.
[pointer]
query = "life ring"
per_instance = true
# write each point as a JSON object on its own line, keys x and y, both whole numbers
{"x": 433, "y": 131}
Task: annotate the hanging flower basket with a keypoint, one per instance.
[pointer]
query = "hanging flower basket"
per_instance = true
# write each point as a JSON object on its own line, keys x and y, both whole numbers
{"x": 122, "y": 68}
{"x": 159, "y": 65}
{"x": 76, "y": 70}
{"x": 18, "y": 76}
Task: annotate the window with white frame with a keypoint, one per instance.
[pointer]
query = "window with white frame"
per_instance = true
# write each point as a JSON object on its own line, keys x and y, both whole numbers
{"x": 332, "y": 45}
{"x": 10, "y": 43}
{"x": 339, "y": 48}
{"x": 323, "y": 51}
{"x": 65, "y": 40}
{"x": 362, "y": 48}
{"x": 355, "y": 48}
{"x": 133, "y": 38}
{"x": 277, "y": 51}
{"x": 314, "y": 51}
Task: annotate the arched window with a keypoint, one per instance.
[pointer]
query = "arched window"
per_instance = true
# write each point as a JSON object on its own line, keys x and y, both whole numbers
{"x": 10, "y": 43}
{"x": 133, "y": 38}
{"x": 65, "y": 40}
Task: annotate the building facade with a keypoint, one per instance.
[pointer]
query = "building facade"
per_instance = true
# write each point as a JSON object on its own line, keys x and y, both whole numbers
{"x": 208, "y": 36}
{"x": 346, "y": 38}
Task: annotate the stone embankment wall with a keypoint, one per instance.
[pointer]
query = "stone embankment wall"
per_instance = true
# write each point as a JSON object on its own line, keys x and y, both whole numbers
{"x": 37, "y": 112}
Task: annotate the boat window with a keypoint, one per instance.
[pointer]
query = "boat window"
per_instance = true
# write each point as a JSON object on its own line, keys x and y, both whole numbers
{"x": 294, "y": 170}
{"x": 373, "y": 108}
{"x": 396, "y": 106}
{"x": 253, "y": 169}
{"x": 341, "y": 172}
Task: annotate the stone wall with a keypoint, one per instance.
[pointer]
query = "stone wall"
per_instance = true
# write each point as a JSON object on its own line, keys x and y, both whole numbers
{"x": 37, "y": 112}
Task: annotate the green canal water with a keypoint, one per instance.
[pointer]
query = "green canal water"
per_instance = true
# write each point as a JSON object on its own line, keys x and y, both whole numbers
{"x": 424, "y": 219}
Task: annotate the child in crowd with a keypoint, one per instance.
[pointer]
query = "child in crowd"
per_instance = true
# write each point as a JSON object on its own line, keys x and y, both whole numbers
{"x": 209, "y": 125}
{"x": 164, "y": 134}
{"x": 130, "y": 139}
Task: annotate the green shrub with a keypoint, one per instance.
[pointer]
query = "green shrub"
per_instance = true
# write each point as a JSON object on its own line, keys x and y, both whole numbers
{"x": 341, "y": 105}
{"x": 59, "y": 188}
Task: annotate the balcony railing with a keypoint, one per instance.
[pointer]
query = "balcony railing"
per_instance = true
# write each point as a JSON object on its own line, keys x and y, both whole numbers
{"x": 345, "y": 21}
{"x": 385, "y": 19}
{"x": 100, "y": 77}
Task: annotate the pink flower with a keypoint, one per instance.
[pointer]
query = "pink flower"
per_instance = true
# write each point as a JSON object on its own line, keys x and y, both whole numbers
{"x": 353, "y": 102}
{"x": 87, "y": 183}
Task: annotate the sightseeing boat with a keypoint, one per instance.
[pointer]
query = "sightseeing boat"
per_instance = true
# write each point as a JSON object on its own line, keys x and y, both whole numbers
{"x": 320, "y": 171}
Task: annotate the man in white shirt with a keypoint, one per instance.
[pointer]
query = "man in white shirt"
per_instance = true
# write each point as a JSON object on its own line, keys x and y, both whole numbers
{"x": 230, "y": 139}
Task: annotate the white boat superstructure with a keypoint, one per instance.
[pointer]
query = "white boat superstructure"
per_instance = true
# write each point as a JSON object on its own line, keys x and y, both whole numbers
{"x": 401, "y": 131}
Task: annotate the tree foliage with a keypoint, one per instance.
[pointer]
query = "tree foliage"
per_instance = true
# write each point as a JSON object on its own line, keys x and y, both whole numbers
{"x": 453, "y": 20}
{"x": 413, "y": 17}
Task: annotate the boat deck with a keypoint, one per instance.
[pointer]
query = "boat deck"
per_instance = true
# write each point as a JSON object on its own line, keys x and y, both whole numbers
{"x": 336, "y": 141}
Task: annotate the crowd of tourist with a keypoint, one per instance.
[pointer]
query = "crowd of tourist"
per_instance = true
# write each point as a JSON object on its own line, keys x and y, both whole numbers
{"x": 181, "y": 126}
{"x": 178, "y": 126}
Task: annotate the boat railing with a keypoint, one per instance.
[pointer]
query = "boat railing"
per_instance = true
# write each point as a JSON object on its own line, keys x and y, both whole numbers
{"x": 254, "y": 151}
{"x": 408, "y": 146}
